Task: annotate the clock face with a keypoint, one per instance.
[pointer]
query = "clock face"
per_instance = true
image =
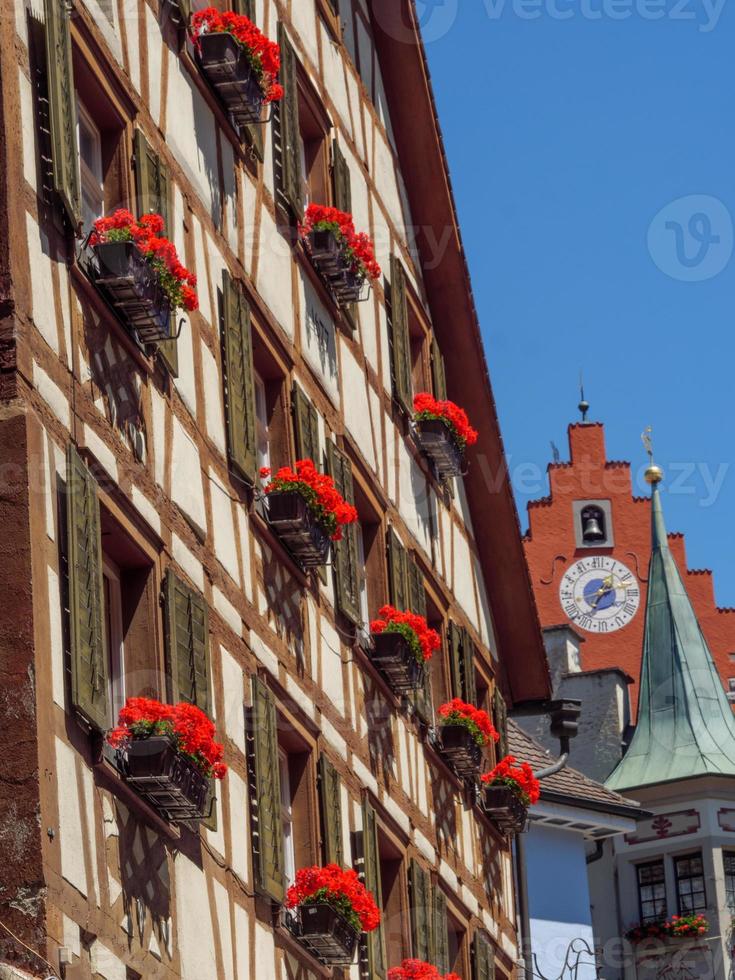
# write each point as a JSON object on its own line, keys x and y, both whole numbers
{"x": 599, "y": 594}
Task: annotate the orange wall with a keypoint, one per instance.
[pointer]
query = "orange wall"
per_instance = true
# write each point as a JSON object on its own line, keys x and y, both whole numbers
{"x": 550, "y": 549}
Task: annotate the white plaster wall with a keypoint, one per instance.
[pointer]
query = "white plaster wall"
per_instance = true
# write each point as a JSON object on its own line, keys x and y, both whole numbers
{"x": 194, "y": 935}
{"x": 186, "y": 478}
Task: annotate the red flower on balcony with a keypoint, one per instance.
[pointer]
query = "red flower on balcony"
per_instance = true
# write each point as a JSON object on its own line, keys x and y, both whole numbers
{"x": 682, "y": 926}
{"x": 186, "y": 724}
{"x": 146, "y": 233}
{"x": 358, "y": 246}
{"x": 322, "y": 497}
{"x": 519, "y": 778}
{"x": 339, "y": 888}
{"x": 418, "y": 970}
{"x": 263, "y": 54}
{"x": 477, "y": 721}
{"x": 425, "y": 406}
{"x": 413, "y": 628}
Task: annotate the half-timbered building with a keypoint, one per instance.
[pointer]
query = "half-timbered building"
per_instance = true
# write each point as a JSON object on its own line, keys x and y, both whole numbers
{"x": 137, "y": 557}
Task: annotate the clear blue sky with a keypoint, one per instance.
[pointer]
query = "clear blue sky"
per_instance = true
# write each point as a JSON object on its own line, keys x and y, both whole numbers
{"x": 566, "y": 138}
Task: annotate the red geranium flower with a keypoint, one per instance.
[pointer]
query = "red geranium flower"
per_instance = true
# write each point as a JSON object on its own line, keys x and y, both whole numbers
{"x": 340, "y": 888}
{"x": 425, "y": 406}
{"x": 477, "y": 721}
{"x": 186, "y": 724}
{"x": 176, "y": 281}
{"x": 519, "y": 778}
{"x": 421, "y": 638}
{"x": 263, "y": 54}
{"x": 418, "y": 970}
{"x": 357, "y": 246}
{"x": 318, "y": 489}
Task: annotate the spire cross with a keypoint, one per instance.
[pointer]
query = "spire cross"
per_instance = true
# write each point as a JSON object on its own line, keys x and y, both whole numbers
{"x": 584, "y": 405}
{"x": 654, "y": 474}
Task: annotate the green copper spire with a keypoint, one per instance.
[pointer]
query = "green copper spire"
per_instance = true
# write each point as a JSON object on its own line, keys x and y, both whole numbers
{"x": 685, "y": 724}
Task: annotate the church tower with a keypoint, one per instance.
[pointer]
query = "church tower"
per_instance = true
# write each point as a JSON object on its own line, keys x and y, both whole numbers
{"x": 588, "y": 548}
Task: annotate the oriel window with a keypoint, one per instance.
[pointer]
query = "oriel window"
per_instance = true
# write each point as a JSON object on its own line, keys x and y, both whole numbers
{"x": 690, "y": 889}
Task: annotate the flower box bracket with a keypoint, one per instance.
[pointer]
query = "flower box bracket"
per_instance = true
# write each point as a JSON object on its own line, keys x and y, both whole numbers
{"x": 226, "y": 67}
{"x": 460, "y": 749}
{"x": 165, "y": 778}
{"x": 395, "y": 659}
{"x": 327, "y": 935}
{"x": 291, "y": 519}
{"x": 127, "y": 282}
{"x": 334, "y": 266}
{"x": 437, "y": 443}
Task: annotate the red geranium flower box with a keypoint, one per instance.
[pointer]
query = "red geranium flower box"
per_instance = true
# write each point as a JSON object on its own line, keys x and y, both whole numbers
{"x": 464, "y": 731}
{"x": 506, "y": 808}
{"x": 140, "y": 273}
{"x": 418, "y": 970}
{"x": 239, "y": 62}
{"x": 509, "y": 791}
{"x": 344, "y": 258}
{"x": 402, "y": 643}
{"x": 167, "y": 753}
{"x": 443, "y": 432}
{"x": 333, "y": 907}
{"x": 306, "y": 511}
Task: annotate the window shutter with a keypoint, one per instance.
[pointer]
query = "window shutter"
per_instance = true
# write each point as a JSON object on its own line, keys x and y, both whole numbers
{"x": 398, "y": 571}
{"x": 89, "y": 680}
{"x": 286, "y": 130}
{"x": 421, "y": 698}
{"x": 187, "y": 644}
{"x": 266, "y": 795}
{"x": 246, "y": 7}
{"x": 455, "y": 660}
{"x": 371, "y": 874}
{"x": 438, "y": 375}
{"x": 421, "y": 915}
{"x": 63, "y": 110}
{"x": 500, "y": 720}
{"x": 306, "y": 426}
{"x": 468, "y": 669}
{"x": 400, "y": 345}
{"x": 342, "y": 181}
{"x": 152, "y": 189}
{"x": 483, "y": 960}
{"x": 239, "y": 385}
{"x": 330, "y": 791}
{"x": 441, "y": 931}
{"x": 347, "y": 573}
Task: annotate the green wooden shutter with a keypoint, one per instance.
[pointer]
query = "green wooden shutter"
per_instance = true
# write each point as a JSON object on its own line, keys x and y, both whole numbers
{"x": 455, "y": 660}
{"x": 397, "y": 571}
{"x": 305, "y": 425}
{"x": 342, "y": 196}
{"x": 371, "y": 874}
{"x": 483, "y": 959}
{"x": 330, "y": 793}
{"x": 441, "y": 931}
{"x": 246, "y": 7}
{"x": 421, "y": 911}
{"x": 63, "y": 110}
{"x": 152, "y": 189}
{"x": 399, "y": 335}
{"x": 421, "y": 697}
{"x": 346, "y": 570}
{"x": 286, "y": 130}
{"x": 438, "y": 374}
{"x": 500, "y": 720}
{"x": 266, "y": 829}
{"x": 239, "y": 384}
{"x": 187, "y": 643}
{"x": 89, "y": 676}
{"x": 468, "y": 668}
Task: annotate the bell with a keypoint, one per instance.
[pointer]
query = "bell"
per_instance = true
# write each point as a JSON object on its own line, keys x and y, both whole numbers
{"x": 591, "y": 530}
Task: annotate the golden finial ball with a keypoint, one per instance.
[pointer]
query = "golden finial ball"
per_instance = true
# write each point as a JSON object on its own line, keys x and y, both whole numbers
{"x": 654, "y": 474}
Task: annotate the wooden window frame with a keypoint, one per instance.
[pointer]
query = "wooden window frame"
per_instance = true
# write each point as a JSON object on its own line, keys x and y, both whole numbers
{"x": 680, "y": 878}
{"x": 313, "y": 113}
{"x": 273, "y": 371}
{"x": 658, "y": 862}
{"x": 301, "y": 748}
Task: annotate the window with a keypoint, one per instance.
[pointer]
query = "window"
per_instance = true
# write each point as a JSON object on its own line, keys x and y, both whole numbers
{"x": 89, "y": 143}
{"x": 313, "y": 147}
{"x": 370, "y": 554}
{"x": 728, "y": 860}
{"x": 261, "y": 422}
{"x": 289, "y": 856}
{"x": 651, "y": 891}
{"x": 458, "y": 959}
{"x": 731, "y": 684}
{"x": 393, "y": 887}
{"x": 418, "y": 339}
{"x": 112, "y": 600}
{"x": 690, "y": 891}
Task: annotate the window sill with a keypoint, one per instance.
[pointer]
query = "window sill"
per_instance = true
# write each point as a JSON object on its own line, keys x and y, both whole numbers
{"x": 107, "y": 775}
